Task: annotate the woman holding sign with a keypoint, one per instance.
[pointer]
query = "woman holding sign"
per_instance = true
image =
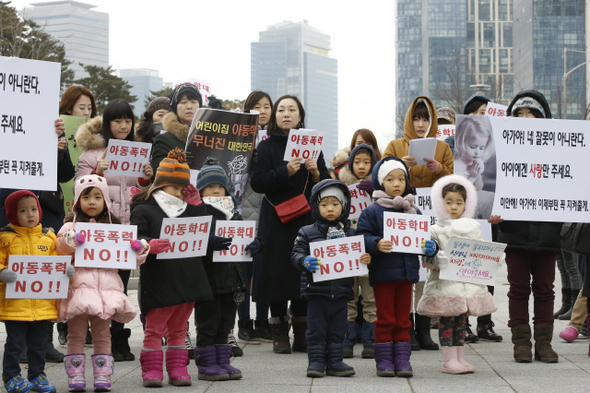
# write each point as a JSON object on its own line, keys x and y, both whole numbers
{"x": 275, "y": 278}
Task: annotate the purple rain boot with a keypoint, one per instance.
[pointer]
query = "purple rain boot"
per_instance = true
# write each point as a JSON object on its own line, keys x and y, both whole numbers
{"x": 176, "y": 362}
{"x": 383, "y": 359}
{"x": 152, "y": 372}
{"x": 209, "y": 370}
{"x": 75, "y": 366}
{"x": 401, "y": 359}
{"x": 103, "y": 369}
{"x": 223, "y": 353}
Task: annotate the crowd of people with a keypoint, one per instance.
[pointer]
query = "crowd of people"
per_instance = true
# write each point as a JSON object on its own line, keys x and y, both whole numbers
{"x": 389, "y": 310}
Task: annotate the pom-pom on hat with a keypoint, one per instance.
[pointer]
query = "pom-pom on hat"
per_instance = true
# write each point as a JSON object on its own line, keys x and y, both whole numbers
{"x": 11, "y": 205}
{"x": 212, "y": 173}
{"x": 172, "y": 170}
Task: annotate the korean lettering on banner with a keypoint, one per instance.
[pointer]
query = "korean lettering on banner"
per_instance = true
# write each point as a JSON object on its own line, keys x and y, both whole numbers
{"x": 444, "y": 131}
{"x": 25, "y": 158}
{"x": 38, "y": 277}
{"x": 188, "y": 237}
{"x": 107, "y": 246}
{"x": 242, "y": 234}
{"x": 474, "y": 261}
{"x": 304, "y": 143}
{"x": 406, "y": 231}
{"x": 359, "y": 201}
{"x": 494, "y": 109}
{"x": 340, "y": 258}
{"x": 126, "y": 158}
{"x": 230, "y": 138}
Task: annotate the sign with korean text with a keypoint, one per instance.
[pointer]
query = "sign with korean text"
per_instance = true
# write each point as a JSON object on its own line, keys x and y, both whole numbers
{"x": 406, "y": 231}
{"x": 304, "y": 144}
{"x": 444, "y": 131}
{"x": 474, "y": 261}
{"x": 29, "y": 93}
{"x": 106, "y": 246}
{"x": 127, "y": 158}
{"x": 188, "y": 237}
{"x": 38, "y": 277}
{"x": 242, "y": 234}
{"x": 359, "y": 201}
{"x": 494, "y": 109}
{"x": 340, "y": 258}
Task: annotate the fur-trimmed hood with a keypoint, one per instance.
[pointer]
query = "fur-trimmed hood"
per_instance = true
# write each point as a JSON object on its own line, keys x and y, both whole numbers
{"x": 340, "y": 157}
{"x": 438, "y": 203}
{"x": 89, "y": 135}
{"x": 347, "y": 177}
{"x": 171, "y": 124}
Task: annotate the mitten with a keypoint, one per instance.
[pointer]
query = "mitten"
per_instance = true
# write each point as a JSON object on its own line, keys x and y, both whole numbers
{"x": 255, "y": 247}
{"x": 191, "y": 195}
{"x": 70, "y": 270}
{"x": 8, "y": 275}
{"x": 442, "y": 259}
{"x": 429, "y": 247}
{"x": 74, "y": 239}
{"x": 220, "y": 243}
{"x": 311, "y": 263}
{"x": 139, "y": 245}
{"x": 159, "y": 245}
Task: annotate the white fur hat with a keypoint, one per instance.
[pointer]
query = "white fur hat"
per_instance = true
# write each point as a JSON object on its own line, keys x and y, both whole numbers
{"x": 387, "y": 167}
{"x": 438, "y": 202}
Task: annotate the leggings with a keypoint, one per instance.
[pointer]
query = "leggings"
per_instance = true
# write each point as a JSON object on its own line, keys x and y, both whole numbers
{"x": 567, "y": 263}
{"x": 451, "y": 331}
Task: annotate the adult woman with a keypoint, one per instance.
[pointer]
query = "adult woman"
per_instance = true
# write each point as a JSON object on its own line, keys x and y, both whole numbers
{"x": 276, "y": 280}
{"x": 360, "y": 136}
{"x": 150, "y": 125}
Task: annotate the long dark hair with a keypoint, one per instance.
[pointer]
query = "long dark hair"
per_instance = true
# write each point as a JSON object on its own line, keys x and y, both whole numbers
{"x": 118, "y": 109}
{"x": 272, "y": 123}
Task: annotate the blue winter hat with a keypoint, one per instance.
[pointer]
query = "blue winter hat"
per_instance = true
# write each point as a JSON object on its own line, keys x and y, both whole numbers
{"x": 212, "y": 173}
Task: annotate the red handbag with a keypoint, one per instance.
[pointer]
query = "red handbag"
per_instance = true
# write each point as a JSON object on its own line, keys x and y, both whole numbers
{"x": 293, "y": 207}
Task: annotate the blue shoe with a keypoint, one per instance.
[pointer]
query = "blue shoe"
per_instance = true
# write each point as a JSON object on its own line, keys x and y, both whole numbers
{"x": 40, "y": 384}
{"x": 17, "y": 384}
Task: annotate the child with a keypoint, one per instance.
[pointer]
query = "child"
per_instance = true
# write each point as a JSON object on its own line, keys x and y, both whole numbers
{"x": 26, "y": 320}
{"x": 390, "y": 274}
{"x": 362, "y": 160}
{"x": 454, "y": 199}
{"x": 326, "y": 300}
{"x": 471, "y": 147}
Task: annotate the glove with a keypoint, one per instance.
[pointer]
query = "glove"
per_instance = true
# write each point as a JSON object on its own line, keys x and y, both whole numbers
{"x": 311, "y": 263}
{"x": 159, "y": 245}
{"x": 255, "y": 247}
{"x": 239, "y": 298}
{"x": 139, "y": 245}
{"x": 8, "y": 275}
{"x": 70, "y": 270}
{"x": 367, "y": 186}
{"x": 429, "y": 247}
{"x": 74, "y": 239}
{"x": 191, "y": 195}
{"x": 220, "y": 243}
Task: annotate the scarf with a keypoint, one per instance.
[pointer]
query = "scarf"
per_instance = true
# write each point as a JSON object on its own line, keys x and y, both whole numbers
{"x": 335, "y": 232}
{"x": 172, "y": 206}
{"x": 224, "y": 204}
{"x": 399, "y": 203}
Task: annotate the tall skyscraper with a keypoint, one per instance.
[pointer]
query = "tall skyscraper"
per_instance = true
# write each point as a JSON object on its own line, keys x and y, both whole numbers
{"x": 142, "y": 80}
{"x": 293, "y": 58}
{"x": 85, "y": 33}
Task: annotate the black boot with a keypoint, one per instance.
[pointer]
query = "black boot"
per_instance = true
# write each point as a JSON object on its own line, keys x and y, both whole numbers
{"x": 566, "y": 316}
{"x": 62, "y": 334}
{"x": 299, "y": 325}
{"x": 414, "y": 344}
{"x": 423, "y": 333}
{"x": 52, "y": 355}
{"x": 566, "y": 300}
{"x": 246, "y": 332}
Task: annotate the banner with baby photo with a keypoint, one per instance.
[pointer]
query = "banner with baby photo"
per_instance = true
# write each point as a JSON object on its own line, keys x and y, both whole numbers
{"x": 526, "y": 169}
{"x": 227, "y": 136}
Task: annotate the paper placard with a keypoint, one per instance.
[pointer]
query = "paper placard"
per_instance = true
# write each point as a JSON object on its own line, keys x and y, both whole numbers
{"x": 107, "y": 246}
{"x": 189, "y": 236}
{"x": 304, "y": 143}
{"x": 422, "y": 148}
{"x": 39, "y": 277}
{"x": 127, "y": 158}
{"x": 340, "y": 258}
{"x": 359, "y": 201}
{"x": 494, "y": 109}
{"x": 444, "y": 131}
{"x": 242, "y": 234}
{"x": 470, "y": 260}
{"x": 406, "y": 231}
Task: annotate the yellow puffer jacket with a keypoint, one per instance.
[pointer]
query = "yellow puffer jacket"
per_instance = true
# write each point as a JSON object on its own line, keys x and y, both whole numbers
{"x": 24, "y": 241}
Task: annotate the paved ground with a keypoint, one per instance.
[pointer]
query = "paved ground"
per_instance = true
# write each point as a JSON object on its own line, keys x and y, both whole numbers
{"x": 267, "y": 372}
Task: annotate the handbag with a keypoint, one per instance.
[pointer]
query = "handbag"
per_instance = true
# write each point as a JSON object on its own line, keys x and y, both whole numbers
{"x": 292, "y": 208}
{"x": 575, "y": 237}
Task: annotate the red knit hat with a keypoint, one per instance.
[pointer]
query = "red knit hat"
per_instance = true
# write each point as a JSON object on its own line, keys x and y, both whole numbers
{"x": 11, "y": 206}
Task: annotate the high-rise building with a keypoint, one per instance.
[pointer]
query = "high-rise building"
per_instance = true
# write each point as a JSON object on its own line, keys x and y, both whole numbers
{"x": 84, "y": 32}
{"x": 143, "y": 81}
{"x": 293, "y": 58}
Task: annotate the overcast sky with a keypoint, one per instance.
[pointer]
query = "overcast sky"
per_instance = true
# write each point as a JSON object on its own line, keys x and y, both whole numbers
{"x": 210, "y": 40}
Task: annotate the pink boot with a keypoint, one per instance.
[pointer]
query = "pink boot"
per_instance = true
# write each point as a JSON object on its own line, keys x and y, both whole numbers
{"x": 450, "y": 363}
{"x": 75, "y": 365}
{"x": 176, "y": 362}
{"x": 103, "y": 369}
{"x": 461, "y": 358}
{"x": 151, "y": 368}
{"x": 569, "y": 334}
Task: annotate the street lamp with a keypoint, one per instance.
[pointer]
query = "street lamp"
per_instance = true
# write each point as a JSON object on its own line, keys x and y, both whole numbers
{"x": 566, "y": 74}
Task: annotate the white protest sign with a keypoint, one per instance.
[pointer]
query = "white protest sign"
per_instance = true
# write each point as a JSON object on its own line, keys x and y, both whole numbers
{"x": 359, "y": 201}
{"x": 444, "y": 131}
{"x": 474, "y": 261}
{"x": 406, "y": 231}
{"x": 106, "y": 246}
{"x": 188, "y": 236}
{"x": 304, "y": 143}
{"x": 29, "y": 93}
{"x": 422, "y": 148}
{"x": 242, "y": 234}
{"x": 39, "y": 277}
{"x": 126, "y": 158}
{"x": 494, "y": 109}
{"x": 340, "y": 258}
{"x": 262, "y": 135}
{"x": 423, "y": 200}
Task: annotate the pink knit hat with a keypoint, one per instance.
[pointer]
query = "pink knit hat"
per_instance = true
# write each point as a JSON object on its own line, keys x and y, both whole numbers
{"x": 87, "y": 181}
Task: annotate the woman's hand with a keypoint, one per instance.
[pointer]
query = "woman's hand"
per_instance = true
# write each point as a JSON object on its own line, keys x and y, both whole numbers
{"x": 433, "y": 165}
{"x": 148, "y": 171}
{"x": 60, "y": 127}
{"x": 102, "y": 164}
{"x": 495, "y": 219}
{"x": 410, "y": 161}
{"x": 293, "y": 166}
{"x": 312, "y": 167}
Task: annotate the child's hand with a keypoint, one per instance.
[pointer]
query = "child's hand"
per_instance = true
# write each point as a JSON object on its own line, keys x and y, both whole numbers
{"x": 255, "y": 247}
{"x": 433, "y": 165}
{"x": 191, "y": 195}
{"x": 429, "y": 247}
{"x": 496, "y": 219}
{"x": 148, "y": 171}
{"x": 74, "y": 239}
{"x": 102, "y": 164}
{"x": 8, "y": 275}
{"x": 139, "y": 246}
{"x": 70, "y": 270}
{"x": 220, "y": 243}
{"x": 366, "y": 258}
{"x": 384, "y": 245}
{"x": 311, "y": 263}
{"x": 158, "y": 246}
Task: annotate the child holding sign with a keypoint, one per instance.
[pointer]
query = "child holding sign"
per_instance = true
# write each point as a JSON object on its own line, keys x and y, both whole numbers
{"x": 26, "y": 320}
{"x": 390, "y": 274}
{"x": 95, "y": 295}
{"x": 454, "y": 200}
{"x": 326, "y": 300}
